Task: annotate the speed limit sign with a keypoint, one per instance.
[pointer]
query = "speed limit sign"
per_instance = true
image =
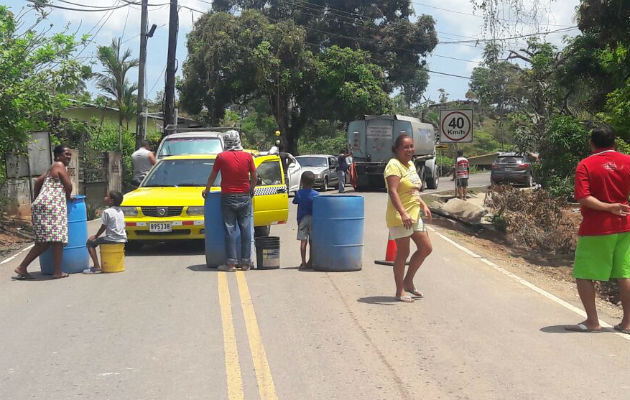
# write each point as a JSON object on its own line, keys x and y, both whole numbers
{"x": 456, "y": 126}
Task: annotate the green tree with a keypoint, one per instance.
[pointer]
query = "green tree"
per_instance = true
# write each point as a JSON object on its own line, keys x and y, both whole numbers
{"x": 113, "y": 81}
{"x": 36, "y": 72}
{"x": 236, "y": 59}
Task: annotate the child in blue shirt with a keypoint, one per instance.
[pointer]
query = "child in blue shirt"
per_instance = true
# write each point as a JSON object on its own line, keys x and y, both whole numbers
{"x": 304, "y": 199}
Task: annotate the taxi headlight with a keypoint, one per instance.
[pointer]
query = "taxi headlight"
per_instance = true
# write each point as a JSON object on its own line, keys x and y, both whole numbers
{"x": 130, "y": 211}
{"x": 196, "y": 210}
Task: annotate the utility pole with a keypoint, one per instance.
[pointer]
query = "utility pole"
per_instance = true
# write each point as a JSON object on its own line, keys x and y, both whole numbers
{"x": 170, "y": 122}
{"x": 140, "y": 127}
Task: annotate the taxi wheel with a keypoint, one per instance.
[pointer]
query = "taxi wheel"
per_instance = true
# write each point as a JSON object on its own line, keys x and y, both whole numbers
{"x": 262, "y": 231}
{"x": 133, "y": 245}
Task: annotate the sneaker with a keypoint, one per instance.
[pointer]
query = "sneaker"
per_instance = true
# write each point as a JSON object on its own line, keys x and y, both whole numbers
{"x": 245, "y": 267}
{"x": 226, "y": 268}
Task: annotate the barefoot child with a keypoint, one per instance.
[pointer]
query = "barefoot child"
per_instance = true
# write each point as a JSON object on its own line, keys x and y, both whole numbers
{"x": 304, "y": 199}
{"x": 113, "y": 226}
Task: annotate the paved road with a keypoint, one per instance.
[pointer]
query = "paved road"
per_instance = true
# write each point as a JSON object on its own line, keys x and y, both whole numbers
{"x": 169, "y": 328}
{"x": 481, "y": 179}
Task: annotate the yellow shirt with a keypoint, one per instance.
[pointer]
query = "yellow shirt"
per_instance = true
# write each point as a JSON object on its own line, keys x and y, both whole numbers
{"x": 408, "y": 191}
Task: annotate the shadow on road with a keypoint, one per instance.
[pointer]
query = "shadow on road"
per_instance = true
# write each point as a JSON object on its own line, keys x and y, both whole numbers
{"x": 380, "y": 300}
{"x": 201, "y": 268}
{"x": 175, "y": 247}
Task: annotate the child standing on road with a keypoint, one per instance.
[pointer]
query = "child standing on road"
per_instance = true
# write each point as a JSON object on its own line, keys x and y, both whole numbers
{"x": 304, "y": 199}
{"x": 113, "y": 226}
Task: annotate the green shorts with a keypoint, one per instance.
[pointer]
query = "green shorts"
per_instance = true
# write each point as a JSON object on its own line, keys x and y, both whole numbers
{"x": 600, "y": 258}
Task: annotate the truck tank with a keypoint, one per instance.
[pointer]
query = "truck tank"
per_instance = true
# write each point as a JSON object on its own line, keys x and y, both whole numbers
{"x": 370, "y": 141}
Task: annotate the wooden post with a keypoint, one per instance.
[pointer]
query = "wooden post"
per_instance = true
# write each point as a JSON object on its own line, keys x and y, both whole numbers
{"x": 73, "y": 172}
{"x": 113, "y": 162}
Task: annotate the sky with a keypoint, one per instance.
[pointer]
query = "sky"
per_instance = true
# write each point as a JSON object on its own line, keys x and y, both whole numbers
{"x": 456, "y": 21}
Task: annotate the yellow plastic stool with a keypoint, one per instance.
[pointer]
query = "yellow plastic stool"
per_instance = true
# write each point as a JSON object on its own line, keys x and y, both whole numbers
{"x": 113, "y": 257}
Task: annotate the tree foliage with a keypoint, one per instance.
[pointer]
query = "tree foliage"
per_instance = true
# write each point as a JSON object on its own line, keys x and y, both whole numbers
{"x": 238, "y": 59}
{"x": 36, "y": 72}
{"x": 113, "y": 81}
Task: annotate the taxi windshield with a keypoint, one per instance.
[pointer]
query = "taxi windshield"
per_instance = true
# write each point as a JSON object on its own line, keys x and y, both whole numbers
{"x": 176, "y": 173}
{"x": 196, "y": 145}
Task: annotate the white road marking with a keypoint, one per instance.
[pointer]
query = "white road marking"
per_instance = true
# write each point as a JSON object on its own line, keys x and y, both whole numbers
{"x": 524, "y": 282}
{"x": 15, "y": 255}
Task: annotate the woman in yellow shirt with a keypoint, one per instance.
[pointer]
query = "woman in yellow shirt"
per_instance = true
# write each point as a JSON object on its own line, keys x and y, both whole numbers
{"x": 404, "y": 218}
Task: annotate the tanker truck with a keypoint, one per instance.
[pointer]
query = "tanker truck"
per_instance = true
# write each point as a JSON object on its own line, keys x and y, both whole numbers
{"x": 370, "y": 141}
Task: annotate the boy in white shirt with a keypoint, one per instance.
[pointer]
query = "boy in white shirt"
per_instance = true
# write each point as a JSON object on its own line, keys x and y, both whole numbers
{"x": 113, "y": 226}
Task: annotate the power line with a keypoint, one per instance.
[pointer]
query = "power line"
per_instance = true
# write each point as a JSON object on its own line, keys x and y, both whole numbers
{"x": 512, "y": 37}
{"x": 79, "y": 9}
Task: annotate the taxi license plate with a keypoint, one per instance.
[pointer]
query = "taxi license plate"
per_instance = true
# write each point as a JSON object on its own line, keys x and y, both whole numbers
{"x": 160, "y": 227}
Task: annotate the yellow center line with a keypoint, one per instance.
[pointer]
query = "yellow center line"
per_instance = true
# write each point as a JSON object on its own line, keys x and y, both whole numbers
{"x": 232, "y": 364}
{"x": 266, "y": 388}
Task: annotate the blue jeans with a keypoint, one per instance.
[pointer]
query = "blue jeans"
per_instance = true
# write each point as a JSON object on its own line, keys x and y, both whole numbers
{"x": 342, "y": 180}
{"x": 237, "y": 219}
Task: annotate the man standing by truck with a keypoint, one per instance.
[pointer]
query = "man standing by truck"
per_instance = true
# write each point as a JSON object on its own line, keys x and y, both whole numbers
{"x": 462, "y": 171}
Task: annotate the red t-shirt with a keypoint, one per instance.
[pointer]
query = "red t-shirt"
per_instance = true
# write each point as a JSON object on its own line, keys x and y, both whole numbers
{"x": 235, "y": 167}
{"x": 604, "y": 175}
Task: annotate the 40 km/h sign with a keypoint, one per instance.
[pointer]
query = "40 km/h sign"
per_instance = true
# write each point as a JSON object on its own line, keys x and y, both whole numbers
{"x": 456, "y": 126}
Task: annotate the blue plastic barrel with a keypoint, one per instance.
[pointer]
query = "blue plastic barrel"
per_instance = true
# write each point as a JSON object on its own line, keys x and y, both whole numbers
{"x": 337, "y": 233}
{"x": 75, "y": 255}
{"x": 215, "y": 232}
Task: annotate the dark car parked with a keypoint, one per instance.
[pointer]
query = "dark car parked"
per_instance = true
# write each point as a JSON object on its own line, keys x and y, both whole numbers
{"x": 512, "y": 168}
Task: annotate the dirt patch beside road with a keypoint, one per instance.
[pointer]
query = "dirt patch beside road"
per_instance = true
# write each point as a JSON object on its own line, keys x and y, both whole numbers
{"x": 14, "y": 235}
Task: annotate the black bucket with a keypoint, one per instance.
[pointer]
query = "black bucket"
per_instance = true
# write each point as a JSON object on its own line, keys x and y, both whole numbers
{"x": 267, "y": 252}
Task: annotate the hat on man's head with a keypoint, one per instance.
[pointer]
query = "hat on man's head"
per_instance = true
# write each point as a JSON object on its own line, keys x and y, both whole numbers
{"x": 232, "y": 140}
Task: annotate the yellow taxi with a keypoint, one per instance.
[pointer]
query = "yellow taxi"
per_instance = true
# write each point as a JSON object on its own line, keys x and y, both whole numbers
{"x": 168, "y": 204}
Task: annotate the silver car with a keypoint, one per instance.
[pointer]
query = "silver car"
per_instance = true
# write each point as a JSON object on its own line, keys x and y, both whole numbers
{"x": 195, "y": 142}
{"x": 323, "y": 166}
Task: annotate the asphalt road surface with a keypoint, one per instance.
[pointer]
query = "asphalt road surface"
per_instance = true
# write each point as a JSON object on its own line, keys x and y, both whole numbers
{"x": 481, "y": 179}
{"x": 170, "y": 328}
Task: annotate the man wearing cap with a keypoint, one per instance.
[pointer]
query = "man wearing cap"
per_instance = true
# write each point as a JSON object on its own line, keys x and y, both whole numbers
{"x": 238, "y": 179}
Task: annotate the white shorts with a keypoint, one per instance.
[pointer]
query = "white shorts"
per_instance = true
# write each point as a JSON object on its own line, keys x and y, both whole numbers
{"x": 398, "y": 232}
{"x": 304, "y": 228}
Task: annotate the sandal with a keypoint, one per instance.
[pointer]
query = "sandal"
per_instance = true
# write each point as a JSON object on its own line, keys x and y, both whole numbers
{"x": 415, "y": 293}
{"x": 92, "y": 270}
{"x": 22, "y": 276}
{"x": 63, "y": 275}
{"x": 405, "y": 299}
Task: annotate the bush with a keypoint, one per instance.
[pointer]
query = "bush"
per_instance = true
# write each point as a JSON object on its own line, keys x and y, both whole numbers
{"x": 566, "y": 143}
{"x": 534, "y": 219}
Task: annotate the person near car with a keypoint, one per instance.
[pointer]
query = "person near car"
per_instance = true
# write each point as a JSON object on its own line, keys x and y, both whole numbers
{"x": 113, "y": 225}
{"x": 142, "y": 160}
{"x": 462, "y": 171}
{"x": 304, "y": 199}
{"x": 238, "y": 180}
{"x": 602, "y": 187}
{"x": 275, "y": 149}
{"x": 404, "y": 217}
{"x": 342, "y": 169}
{"x": 50, "y": 214}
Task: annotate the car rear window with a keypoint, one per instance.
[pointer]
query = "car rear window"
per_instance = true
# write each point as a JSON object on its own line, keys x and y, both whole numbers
{"x": 510, "y": 160}
{"x": 193, "y": 145}
{"x": 176, "y": 173}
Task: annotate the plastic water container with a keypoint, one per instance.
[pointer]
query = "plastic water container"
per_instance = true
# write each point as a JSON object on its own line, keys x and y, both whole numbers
{"x": 337, "y": 234}
{"x": 214, "y": 231}
{"x": 75, "y": 255}
{"x": 112, "y": 257}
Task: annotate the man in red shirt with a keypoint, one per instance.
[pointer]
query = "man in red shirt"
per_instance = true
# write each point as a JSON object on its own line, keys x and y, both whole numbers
{"x": 238, "y": 179}
{"x": 602, "y": 187}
